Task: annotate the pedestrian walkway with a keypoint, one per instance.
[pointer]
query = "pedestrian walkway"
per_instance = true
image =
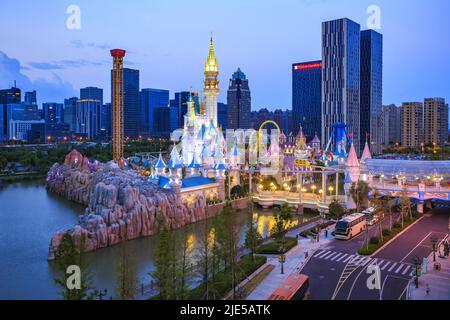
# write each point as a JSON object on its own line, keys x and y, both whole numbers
{"x": 295, "y": 260}
{"x": 361, "y": 261}
{"x": 434, "y": 284}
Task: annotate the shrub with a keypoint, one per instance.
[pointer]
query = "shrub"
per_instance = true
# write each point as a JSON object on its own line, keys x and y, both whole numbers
{"x": 386, "y": 232}
{"x": 374, "y": 240}
{"x": 274, "y": 246}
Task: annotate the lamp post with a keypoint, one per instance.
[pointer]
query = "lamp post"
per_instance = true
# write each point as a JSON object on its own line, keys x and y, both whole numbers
{"x": 434, "y": 242}
{"x": 282, "y": 259}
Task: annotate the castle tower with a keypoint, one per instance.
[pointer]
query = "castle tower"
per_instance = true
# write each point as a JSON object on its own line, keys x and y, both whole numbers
{"x": 211, "y": 89}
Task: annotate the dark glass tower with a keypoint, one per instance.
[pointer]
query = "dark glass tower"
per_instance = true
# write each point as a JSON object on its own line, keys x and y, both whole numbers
{"x": 131, "y": 102}
{"x": 239, "y": 102}
{"x": 307, "y": 97}
{"x": 341, "y": 77}
{"x": 371, "y": 86}
{"x": 152, "y": 99}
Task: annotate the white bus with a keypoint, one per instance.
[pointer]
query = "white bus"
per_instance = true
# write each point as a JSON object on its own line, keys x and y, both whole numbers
{"x": 350, "y": 226}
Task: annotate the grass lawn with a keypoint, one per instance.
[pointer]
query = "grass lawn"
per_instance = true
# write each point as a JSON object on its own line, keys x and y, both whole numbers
{"x": 252, "y": 284}
{"x": 273, "y": 247}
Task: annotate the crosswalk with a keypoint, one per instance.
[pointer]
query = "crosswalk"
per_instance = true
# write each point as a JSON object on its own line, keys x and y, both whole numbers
{"x": 403, "y": 269}
{"x": 442, "y": 205}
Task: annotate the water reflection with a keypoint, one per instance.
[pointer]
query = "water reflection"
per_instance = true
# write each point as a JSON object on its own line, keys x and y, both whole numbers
{"x": 30, "y": 216}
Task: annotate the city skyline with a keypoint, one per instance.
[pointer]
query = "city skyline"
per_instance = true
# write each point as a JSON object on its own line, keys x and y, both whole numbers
{"x": 51, "y": 68}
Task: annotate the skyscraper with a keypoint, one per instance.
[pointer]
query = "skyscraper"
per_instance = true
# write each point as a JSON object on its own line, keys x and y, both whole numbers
{"x": 371, "y": 88}
{"x": 435, "y": 121}
{"x": 341, "y": 77}
{"x": 53, "y": 113}
{"x": 412, "y": 124}
{"x": 307, "y": 97}
{"x": 131, "y": 102}
{"x": 222, "y": 115}
{"x": 30, "y": 98}
{"x": 92, "y": 93}
{"x": 151, "y": 99}
{"x": 70, "y": 108}
{"x": 239, "y": 102}
{"x": 178, "y": 109}
{"x": 12, "y": 95}
{"x": 391, "y": 124}
{"x": 88, "y": 116}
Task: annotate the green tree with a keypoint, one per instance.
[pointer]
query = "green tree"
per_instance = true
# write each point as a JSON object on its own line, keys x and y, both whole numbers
{"x": 359, "y": 192}
{"x": 336, "y": 209}
{"x": 282, "y": 217}
{"x": 126, "y": 279}
{"x": 162, "y": 273}
{"x": 252, "y": 238}
{"x": 185, "y": 269}
{"x": 68, "y": 255}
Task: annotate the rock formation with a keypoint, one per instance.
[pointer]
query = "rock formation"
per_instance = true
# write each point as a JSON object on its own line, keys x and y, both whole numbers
{"x": 121, "y": 205}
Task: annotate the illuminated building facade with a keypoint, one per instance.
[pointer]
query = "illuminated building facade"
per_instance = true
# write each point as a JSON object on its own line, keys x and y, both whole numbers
{"x": 307, "y": 97}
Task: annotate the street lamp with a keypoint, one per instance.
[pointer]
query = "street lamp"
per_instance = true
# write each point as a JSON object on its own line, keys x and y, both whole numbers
{"x": 282, "y": 259}
{"x": 434, "y": 242}
{"x": 313, "y": 188}
{"x": 331, "y": 189}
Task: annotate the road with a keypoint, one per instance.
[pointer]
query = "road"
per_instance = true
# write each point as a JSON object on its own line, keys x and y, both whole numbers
{"x": 337, "y": 272}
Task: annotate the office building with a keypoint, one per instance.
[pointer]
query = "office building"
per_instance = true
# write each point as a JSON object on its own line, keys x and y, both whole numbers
{"x": 131, "y": 102}
{"x": 151, "y": 100}
{"x": 53, "y": 112}
{"x": 19, "y": 129}
{"x": 92, "y": 93}
{"x": 371, "y": 90}
{"x": 222, "y": 115}
{"x": 307, "y": 97}
{"x": 30, "y": 98}
{"x": 10, "y": 96}
{"x": 161, "y": 116}
{"x": 239, "y": 102}
{"x": 70, "y": 111}
{"x": 341, "y": 77}
{"x": 88, "y": 117}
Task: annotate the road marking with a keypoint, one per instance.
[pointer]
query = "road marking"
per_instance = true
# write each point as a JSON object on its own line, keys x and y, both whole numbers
{"x": 386, "y": 265}
{"x": 406, "y": 269}
{"x": 335, "y": 257}
{"x": 348, "y": 259}
{"x": 392, "y": 267}
{"x": 323, "y": 254}
{"x": 399, "y": 268}
{"x": 319, "y": 253}
{"x": 374, "y": 262}
{"x": 332, "y": 255}
{"x": 345, "y": 254}
{"x": 416, "y": 246}
{"x": 363, "y": 262}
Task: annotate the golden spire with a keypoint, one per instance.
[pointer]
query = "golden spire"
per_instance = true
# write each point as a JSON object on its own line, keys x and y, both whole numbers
{"x": 211, "y": 61}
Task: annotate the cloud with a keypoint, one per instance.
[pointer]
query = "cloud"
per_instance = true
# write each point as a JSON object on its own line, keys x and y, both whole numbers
{"x": 48, "y": 90}
{"x": 79, "y": 44}
{"x": 63, "y": 64}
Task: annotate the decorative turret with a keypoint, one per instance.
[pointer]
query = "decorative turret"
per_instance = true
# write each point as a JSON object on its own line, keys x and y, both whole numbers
{"x": 366, "y": 154}
{"x": 160, "y": 166}
{"x": 194, "y": 168}
{"x": 175, "y": 167}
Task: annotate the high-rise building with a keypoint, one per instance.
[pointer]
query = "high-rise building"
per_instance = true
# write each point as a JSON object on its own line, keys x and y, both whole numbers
{"x": 307, "y": 97}
{"x": 180, "y": 108}
{"x": 174, "y": 115}
{"x": 151, "y": 99}
{"x": 53, "y": 112}
{"x": 19, "y": 129}
{"x": 391, "y": 125}
{"x": 106, "y": 120}
{"x": 435, "y": 121}
{"x": 341, "y": 77}
{"x": 88, "y": 117}
{"x": 371, "y": 90}
{"x": 161, "y": 116}
{"x": 131, "y": 102}
{"x": 92, "y": 93}
{"x": 222, "y": 115}
{"x": 412, "y": 124}
{"x": 12, "y": 95}
{"x": 30, "y": 98}
{"x": 239, "y": 102}
{"x": 70, "y": 111}
{"x": 15, "y": 112}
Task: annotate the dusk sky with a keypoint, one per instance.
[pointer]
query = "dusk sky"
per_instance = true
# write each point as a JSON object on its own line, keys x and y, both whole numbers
{"x": 167, "y": 40}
